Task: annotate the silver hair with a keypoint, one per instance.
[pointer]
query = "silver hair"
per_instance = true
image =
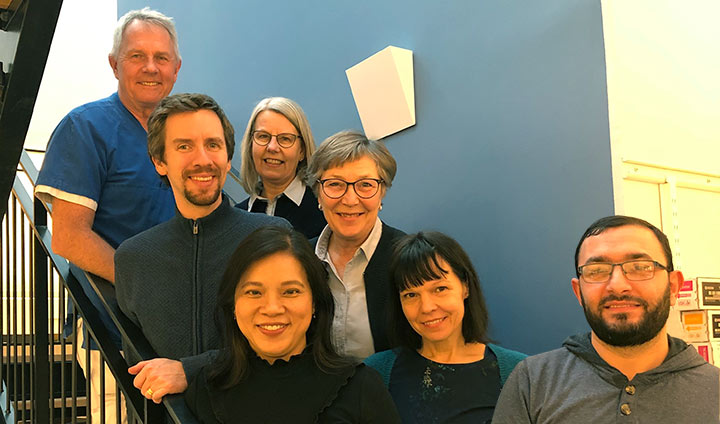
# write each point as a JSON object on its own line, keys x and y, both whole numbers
{"x": 348, "y": 146}
{"x": 294, "y": 113}
{"x": 150, "y": 16}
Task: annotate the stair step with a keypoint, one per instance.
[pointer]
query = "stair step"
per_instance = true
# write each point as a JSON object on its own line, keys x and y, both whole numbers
{"x": 13, "y": 352}
{"x": 57, "y": 403}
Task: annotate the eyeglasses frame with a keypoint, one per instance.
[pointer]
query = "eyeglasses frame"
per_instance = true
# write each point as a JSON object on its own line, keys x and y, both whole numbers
{"x": 380, "y": 181}
{"x": 656, "y": 265}
{"x": 276, "y": 138}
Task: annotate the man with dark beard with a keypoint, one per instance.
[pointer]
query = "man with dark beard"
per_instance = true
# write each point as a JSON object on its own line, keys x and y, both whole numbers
{"x": 627, "y": 369}
{"x": 167, "y": 277}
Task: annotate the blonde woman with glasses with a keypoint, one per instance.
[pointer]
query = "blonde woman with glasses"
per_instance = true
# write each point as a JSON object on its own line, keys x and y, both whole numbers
{"x": 276, "y": 148}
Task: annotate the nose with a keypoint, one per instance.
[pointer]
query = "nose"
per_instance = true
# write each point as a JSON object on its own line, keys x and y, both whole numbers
{"x": 350, "y": 197}
{"x": 427, "y": 303}
{"x": 273, "y": 305}
{"x": 273, "y": 145}
{"x": 150, "y": 65}
{"x": 618, "y": 283}
{"x": 202, "y": 156}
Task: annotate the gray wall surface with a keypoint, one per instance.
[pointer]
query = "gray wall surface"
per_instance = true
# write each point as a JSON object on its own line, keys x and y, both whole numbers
{"x": 511, "y": 151}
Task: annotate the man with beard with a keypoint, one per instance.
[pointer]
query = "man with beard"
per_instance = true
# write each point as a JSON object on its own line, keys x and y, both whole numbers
{"x": 627, "y": 369}
{"x": 167, "y": 277}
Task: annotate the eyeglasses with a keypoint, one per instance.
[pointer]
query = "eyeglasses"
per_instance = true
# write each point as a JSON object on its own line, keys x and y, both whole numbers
{"x": 285, "y": 140}
{"x": 635, "y": 270}
{"x": 336, "y": 188}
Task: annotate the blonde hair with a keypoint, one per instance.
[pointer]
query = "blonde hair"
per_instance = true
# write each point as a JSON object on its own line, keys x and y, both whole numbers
{"x": 294, "y": 113}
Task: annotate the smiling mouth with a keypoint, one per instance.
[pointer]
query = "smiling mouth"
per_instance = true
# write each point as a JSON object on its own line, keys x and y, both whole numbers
{"x": 272, "y": 327}
{"x": 433, "y": 322}
{"x": 621, "y": 306}
{"x": 350, "y": 215}
{"x": 149, "y": 83}
{"x": 613, "y": 302}
{"x": 201, "y": 179}
{"x": 271, "y": 161}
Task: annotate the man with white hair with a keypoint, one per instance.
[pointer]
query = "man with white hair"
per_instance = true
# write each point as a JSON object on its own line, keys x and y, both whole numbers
{"x": 97, "y": 174}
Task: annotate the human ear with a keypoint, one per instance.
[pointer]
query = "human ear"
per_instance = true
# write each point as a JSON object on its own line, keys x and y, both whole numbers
{"x": 676, "y": 280}
{"x": 576, "y": 289}
{"x": 113, "y": 65}
{"x": 160, "y": 166}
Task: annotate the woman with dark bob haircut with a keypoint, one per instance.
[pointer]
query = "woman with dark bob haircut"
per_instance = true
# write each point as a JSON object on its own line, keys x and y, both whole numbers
{"x": 444, "y": 370}
{"x": 277, "y": 363}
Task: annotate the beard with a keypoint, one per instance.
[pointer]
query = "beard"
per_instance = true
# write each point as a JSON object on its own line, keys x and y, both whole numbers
{"x": 203, "y": 197}
{"x": 623, "y": 333}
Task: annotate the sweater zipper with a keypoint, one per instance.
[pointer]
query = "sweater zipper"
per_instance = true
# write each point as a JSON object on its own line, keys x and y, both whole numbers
{"x": 195, "y": 335}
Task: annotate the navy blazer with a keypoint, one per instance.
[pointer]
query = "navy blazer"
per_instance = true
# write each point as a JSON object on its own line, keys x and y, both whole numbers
{"x": 378, "y": 289}
{"x": 306, "y": 218}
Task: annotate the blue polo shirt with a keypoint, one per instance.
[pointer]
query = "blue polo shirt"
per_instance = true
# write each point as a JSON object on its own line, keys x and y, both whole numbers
{"x": 97, "y": 157}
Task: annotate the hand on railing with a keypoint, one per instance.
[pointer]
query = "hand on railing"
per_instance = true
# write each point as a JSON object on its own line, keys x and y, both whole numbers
{"x": 159, "y": 377}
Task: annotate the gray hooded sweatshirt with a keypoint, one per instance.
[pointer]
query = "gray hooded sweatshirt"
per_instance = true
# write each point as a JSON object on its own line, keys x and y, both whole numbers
{"x": 574, "y": 384}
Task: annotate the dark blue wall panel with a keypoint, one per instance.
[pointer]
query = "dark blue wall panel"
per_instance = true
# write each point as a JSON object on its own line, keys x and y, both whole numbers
{"x": 511, "y": 151}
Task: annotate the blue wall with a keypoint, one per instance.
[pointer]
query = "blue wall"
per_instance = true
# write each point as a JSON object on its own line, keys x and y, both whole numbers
{"x": 511, "y": 151}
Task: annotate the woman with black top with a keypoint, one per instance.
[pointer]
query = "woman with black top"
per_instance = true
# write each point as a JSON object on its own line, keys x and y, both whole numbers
{"x": 277, "y": 364}
{"x": 276, "y": 148}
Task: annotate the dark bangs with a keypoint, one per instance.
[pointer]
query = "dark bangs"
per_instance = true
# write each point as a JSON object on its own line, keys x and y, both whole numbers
{"x": 414, "y": 264}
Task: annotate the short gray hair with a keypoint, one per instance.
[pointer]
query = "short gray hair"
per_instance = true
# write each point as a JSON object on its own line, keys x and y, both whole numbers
{"x": 294, "y": 113}
{"x": 152, "y": 17}
{"x": 348, "y": 146}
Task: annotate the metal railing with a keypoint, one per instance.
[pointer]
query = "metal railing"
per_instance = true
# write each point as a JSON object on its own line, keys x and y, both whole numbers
{"x": 42, "y": 382}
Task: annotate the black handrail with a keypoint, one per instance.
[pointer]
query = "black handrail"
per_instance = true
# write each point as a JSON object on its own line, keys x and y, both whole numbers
{"x": 132, "y": 335}
{"x": 36, "y": 212}
{"x": 27, "y": 30}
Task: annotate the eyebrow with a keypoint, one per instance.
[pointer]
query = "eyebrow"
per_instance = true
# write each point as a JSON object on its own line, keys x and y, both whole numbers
{"x": 628, "y": 257}
{"x": 339, "y": 177}
{"x": 181, "y": 140}
{"x": 190, "y": 140}
{"x": 293, "y": 283}
{"x": 258, "y": 128}
{"x": 283, "y": 284}
{"x": 154, "y": 53}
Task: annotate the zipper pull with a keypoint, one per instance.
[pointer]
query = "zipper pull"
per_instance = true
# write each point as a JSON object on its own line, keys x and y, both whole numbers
{"x": 195, "y": 227}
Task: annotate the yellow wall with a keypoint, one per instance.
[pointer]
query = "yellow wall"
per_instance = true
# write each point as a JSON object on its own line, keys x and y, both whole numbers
{"x": 663, "y": 72}
{"x": 663, "y": 75}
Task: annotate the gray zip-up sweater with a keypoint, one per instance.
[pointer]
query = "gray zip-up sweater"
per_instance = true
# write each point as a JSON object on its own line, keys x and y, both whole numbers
{"x": 167, "y": 278}
{"x": 574, "y": 385}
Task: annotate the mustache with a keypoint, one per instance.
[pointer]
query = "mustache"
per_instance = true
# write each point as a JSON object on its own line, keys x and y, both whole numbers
{"x": 625, "y": 298}
{"x": 208, "y": 169}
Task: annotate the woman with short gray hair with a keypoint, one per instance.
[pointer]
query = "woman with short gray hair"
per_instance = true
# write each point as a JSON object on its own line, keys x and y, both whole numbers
{"x": 350, "y": 176}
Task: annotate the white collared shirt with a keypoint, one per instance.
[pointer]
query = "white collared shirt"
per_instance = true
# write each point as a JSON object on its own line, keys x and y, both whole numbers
{"x": 295, "y": 192}
{"x": 351, "y": 326}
